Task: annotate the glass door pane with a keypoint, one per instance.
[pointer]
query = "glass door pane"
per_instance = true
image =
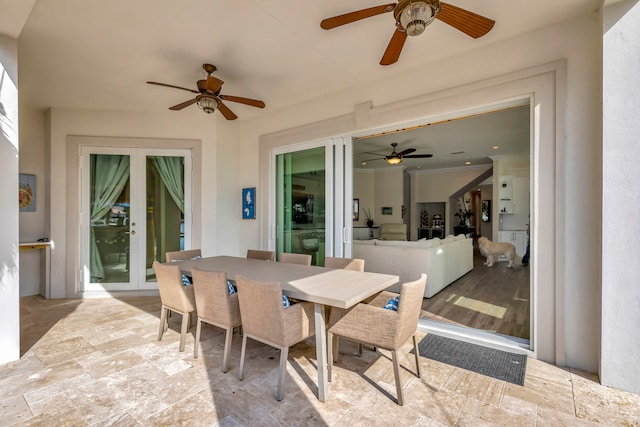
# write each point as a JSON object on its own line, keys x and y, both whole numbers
{"x": 165, "y": 204}
{"x": 109, "y": 212}
{"x": 301, "y": 203}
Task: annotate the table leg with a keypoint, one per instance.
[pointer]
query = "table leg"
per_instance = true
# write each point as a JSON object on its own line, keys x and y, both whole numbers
{"x": 321, "y": 351}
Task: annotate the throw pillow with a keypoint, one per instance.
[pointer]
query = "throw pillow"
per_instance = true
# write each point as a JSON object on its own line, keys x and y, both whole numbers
{"x": 230, "y": 287}
{"x": 285, "y": 302}
{"x": 392, "y": 304}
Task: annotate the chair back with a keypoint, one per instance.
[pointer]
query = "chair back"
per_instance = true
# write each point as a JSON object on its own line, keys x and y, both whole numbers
{"x": 291, "y": 258}
{"x": 354, "y": 264}
{"x": 213, "y": 302}
{"x": 261, "y": 309}
{"x": 264, "y": 255}
{"x": 409, "y": 307}
{"x": 173, "y": 293}
{"x": 182, "y": 255}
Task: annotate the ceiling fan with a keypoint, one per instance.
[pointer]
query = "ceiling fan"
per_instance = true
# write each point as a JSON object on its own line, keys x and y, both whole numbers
{"x": 396, "y": 158}
{"x": 209, "y": 97}
{"x": 412, "y": 17}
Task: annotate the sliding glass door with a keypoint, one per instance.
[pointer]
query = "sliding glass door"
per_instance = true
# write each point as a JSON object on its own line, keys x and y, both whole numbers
{"x": 135, "y": 208}
{"x": 308, "y": 210}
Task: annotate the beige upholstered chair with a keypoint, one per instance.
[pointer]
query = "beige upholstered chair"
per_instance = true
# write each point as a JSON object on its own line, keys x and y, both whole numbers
{"x": 265, "y": 319}
{"x": 183, "y": 255}
{"x": 264, "y": 255}
{"x": 174, "y": 297}
{"x": 216, "y": 307}
{"x": 336, "y": 313}
{"x": 392, "y": 231}
{"x": 291, "y": 258}
{"x": 382, "y": 328}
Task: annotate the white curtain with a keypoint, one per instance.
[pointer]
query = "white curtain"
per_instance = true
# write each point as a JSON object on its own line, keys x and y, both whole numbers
{"x": 171, "y": 170}
{"x": 109, "y": 175}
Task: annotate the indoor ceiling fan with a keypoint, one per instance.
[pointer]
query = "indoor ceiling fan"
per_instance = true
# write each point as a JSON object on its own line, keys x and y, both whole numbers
{"x": 208, "y": 96}
{"x": 412, "y": 17}
{"x": 395, "y": 158}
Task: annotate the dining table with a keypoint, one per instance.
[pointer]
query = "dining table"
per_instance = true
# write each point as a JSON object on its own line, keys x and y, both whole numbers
{"x": 320, "y": 285}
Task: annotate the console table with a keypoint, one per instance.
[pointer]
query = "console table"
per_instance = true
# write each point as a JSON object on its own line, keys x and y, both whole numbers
{"x": 46, "y": 246}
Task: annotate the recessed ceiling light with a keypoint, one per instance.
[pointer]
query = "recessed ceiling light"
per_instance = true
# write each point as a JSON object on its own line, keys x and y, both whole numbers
{"x": 364, "y": 163}
{"x": 467, "y": 163}
{"x": 495, "y": 147}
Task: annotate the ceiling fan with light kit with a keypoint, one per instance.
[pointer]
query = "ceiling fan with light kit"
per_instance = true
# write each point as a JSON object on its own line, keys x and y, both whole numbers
{"x": 208, "y": 96}
{"x": 395, "y": 158}
{"x": 412, "y": 18}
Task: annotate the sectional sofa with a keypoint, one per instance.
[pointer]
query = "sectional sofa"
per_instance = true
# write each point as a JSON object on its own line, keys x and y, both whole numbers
{"x": 443, "y": 260}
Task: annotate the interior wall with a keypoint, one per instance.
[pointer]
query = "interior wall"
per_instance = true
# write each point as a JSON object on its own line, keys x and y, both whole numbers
{"x": 620, "y": 226}
{"x": 389, "y": 184}
{"x": 9, "y": 281}
{"x": 364, "y": 190}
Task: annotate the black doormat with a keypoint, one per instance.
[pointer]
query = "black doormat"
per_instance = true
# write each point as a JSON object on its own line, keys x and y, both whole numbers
{"x": 483, "y": 360}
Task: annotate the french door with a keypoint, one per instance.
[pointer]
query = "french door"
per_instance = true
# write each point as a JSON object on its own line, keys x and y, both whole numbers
{"x": 311, "y": 210}
{"x": 136, "y": 206}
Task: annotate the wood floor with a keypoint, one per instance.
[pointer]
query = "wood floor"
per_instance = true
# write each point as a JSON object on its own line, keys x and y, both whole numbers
{"x": 494, "y": 299}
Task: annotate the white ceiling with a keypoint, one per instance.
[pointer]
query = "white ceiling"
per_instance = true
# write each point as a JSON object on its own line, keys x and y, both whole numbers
{"x": 91, "y": 54}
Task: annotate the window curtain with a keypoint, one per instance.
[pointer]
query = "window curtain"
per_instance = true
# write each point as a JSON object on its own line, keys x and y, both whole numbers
{"x": 171, "y": 171}
{"x": 109, "y": 176}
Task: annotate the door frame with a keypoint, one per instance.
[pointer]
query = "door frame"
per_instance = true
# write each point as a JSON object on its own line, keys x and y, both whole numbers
{"x": 71, "y": 247}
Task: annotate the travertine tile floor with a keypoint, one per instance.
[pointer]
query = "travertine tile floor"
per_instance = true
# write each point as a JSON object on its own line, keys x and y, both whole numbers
{"x": 98, "y": 362}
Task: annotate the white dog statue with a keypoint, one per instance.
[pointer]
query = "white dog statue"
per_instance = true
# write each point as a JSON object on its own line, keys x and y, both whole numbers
{"x": 490, "y": 249}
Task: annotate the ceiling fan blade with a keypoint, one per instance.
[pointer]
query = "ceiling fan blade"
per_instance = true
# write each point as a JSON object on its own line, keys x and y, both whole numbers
{"x": 470, "y": 23}
{"x": 241, "y": 100}
{"x": 394, "y": 48}
{"x": 418, "y": 156}
{"x": 350, "y": 17}
{"x": 183, "y": 105}
{"x": 213, "y": 84}
{"x": 173, "y": 86}
{"x": 407, "y": 151}
{"x": 226, "y": 112}
{"x": 377, "y": 158}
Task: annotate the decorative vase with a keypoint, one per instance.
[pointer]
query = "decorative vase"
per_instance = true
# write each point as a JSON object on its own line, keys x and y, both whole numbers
{"x": 369, "y": 223}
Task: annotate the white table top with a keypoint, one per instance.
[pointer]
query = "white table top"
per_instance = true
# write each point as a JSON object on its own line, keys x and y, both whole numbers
{"x": 334, "y": 287}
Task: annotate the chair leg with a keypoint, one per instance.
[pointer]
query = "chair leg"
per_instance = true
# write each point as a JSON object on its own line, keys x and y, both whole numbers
{"x": 242, "y": 353}
{"x": 415, "y": 351}
{"x": 183, "y": 330}
{"x": 197, "y": 340}
{"x": 284, "y": 353}
{"x": 359, "y": 353}
{"x": 396, "y": 372}
{"x": 227, "y": 349}
{"x": 330, "y": 338}
{"x": 336, "y": 348}
{"x": 163, "y": 320}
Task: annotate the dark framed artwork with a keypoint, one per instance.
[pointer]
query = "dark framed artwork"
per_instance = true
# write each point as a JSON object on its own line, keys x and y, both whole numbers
{"x": 486, "y": 211}
{"x": 249, "y": 203}
{"x": 355, "y": 210}
{"x": 387, "y": 210}
{"x": 27, "y": 192}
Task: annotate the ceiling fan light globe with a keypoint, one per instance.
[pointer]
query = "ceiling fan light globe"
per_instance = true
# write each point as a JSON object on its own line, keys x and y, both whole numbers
{"x": 416, "y": 15}
{"x": 394, "y": 160}
{"x": 207, "y": 104}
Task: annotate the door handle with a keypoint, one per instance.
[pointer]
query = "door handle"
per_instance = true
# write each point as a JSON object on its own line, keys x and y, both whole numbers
{"x": 130, "y": 232}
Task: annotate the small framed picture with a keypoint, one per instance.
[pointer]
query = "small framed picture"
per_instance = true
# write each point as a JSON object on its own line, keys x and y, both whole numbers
{"x": 27, "y": 192}
{"x": 387, "y": 210}
{"x": 249, "y": 203}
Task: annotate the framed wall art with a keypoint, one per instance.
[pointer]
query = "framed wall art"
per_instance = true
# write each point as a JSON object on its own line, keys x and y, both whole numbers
{"x": 249, "y": 203}
{"x": 27, "y": 192}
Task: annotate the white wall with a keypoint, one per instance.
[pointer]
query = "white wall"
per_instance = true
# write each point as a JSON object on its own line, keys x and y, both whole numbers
{"x": 364, "y": 190}
{"x": 621, "y": 200}
{"x": 9, "y": 281}
{"x": 389, "y": 187}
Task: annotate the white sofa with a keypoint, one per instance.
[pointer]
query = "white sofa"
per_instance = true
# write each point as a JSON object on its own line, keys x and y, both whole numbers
{"x": 443, "y": 260}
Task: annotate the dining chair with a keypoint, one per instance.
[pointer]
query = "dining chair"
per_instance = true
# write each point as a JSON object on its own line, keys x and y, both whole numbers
{"x": 173, "y": 256}
{"x": 336, "y": 313}
{"x": 375, "y": 325}
{"x": 258, "y": 254}
{"x": 265, "y": 319}
{"x": 174, "y": 296}
{"x": 215, "y": 306}
{"x": 291, "y": 258}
